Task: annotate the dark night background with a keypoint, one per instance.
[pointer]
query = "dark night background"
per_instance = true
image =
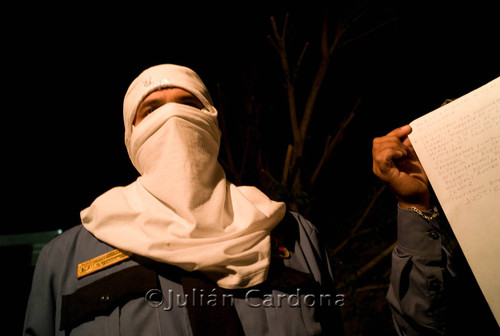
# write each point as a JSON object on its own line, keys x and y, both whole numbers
{"x": 66, "y": 70}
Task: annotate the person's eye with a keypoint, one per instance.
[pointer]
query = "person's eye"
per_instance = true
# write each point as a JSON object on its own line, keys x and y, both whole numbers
{"x": 192, "y": 104}
{"x": 149, "y": 110}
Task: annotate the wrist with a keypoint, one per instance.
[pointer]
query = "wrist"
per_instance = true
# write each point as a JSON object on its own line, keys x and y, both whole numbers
{"x": 421, "y": 199}
{"x": 428, "y": 215}
{"x": 422, "y": 206}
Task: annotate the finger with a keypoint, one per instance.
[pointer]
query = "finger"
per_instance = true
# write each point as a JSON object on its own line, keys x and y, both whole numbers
{"x": 388, "y": 143}
{"x": 385, "y": 167}
{"x": 400, "y": 132}
{"x": 386, "y": 157}
{"x": 385, "y": 170}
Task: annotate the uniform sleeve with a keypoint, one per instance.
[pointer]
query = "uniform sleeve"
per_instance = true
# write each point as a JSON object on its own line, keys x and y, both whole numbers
{"x": 419, "y": 267}
{"x": 40, "y": 312}
{"x": 319, "y": 266}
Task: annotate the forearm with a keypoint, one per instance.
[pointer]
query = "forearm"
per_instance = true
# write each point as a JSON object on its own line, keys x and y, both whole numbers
{"x": 416, "y": 291}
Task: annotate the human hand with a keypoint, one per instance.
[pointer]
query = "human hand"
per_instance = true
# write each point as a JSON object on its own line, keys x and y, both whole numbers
{"x": 396, "y": 163}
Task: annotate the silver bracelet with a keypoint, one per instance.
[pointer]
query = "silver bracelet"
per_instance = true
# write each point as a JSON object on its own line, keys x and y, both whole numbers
{"x": 434, "y": 211}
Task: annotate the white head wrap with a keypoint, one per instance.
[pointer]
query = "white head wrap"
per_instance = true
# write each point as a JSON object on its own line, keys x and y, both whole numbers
{"x": 182, "y": 210}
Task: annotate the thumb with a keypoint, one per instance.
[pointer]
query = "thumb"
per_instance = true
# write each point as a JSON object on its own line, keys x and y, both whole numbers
{"x": 401, "y": 132}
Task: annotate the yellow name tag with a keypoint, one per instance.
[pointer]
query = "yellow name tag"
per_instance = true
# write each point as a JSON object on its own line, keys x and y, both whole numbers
{"x": 100, "y": 262}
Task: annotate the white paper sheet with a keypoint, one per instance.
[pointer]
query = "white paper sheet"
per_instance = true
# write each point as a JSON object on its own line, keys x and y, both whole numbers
{"x": 459, "y": 148}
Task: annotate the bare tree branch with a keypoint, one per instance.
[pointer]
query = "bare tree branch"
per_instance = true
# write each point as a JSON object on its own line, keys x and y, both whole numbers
{"x": 299, "y": 61}
{"x": 372, "y": 263}
{"x": 383, "y": 24}
{"x": 300, "y": 122}
{"x": 326, "y": 53}
{"x": 360, "y": 221}
{"x": 372, "y": 288}
{"x": 332, "y": 144}
{"x": 369, "y": 265}
{"x": 286, "y": 167}
{"x": 280, "y": 46}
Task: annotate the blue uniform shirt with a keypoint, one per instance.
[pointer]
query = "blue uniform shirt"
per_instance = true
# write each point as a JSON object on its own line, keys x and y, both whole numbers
{"x": 142, "y": 297}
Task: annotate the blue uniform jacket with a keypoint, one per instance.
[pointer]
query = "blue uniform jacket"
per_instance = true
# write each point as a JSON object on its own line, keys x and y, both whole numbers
{"x": 142, "y": 297}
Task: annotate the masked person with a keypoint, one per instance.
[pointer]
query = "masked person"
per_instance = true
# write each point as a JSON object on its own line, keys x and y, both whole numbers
{"x": 182, "y": 250}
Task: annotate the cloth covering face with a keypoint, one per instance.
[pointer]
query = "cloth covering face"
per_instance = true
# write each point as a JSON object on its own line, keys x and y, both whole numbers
{"x": 182, "y": 210}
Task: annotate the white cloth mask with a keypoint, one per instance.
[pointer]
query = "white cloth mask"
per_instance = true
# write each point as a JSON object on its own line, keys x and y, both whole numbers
{"x": 182, "y": 210}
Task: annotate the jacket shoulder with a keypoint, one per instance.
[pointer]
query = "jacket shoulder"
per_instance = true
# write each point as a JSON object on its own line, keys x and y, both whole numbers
{"x": 68, "y": 241}
{"x": 60, "y": 257}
